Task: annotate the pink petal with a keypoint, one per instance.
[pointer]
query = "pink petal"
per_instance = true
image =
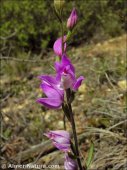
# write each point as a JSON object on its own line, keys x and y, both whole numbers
{"x": 61, "y": 133}
{"x": 59, "y": 66}
{"x": 62, "y": 147}
{"x": 67, "y": 81}
{"x": 52, "y": 103}
{"x": 57, "y": 47}
{"x": 78, "y": 83}
{"x": 49, "y": 79}
{"x": 50, "y": 91}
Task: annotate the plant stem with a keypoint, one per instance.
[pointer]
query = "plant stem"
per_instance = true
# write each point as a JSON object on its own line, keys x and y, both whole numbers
{"x": 73, "y": 129}
{"x": 75, "y": 138}
{"x": 64, "y": 121}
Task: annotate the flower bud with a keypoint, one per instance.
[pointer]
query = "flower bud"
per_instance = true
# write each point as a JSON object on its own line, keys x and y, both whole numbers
{"x": 72, "y": 20}
{"x": 59, "y": 4}
{"x": 57, "y": 47}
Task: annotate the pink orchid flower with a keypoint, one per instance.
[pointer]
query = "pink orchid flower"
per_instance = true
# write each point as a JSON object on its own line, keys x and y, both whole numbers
{"x": 66, "y": 74}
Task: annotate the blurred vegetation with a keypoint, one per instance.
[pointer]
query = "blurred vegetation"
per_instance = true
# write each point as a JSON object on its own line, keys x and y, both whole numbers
{"x": 32, "y": 25}
{"x": 28, "y": 31}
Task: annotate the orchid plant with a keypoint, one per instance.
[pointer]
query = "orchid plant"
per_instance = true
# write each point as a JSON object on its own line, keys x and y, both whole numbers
{"x": 59, "y": 90}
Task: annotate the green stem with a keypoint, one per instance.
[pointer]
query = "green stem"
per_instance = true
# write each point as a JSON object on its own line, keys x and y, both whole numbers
{"x": 73, "y": 129}
{"x": 73, "y": 148}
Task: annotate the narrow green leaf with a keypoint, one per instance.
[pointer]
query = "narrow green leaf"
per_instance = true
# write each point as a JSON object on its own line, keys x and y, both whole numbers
{"x": 90, "y": 155}
{"x": 52, "y": 68}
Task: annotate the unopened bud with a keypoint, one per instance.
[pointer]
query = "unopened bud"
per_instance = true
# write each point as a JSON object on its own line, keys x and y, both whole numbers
{"x": 59, "y": 5}
{"x": 72, "y": 20}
